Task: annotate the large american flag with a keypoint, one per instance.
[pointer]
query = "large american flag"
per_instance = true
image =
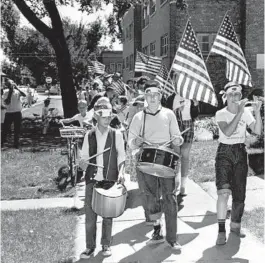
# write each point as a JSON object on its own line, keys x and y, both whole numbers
{"x": 227, "y": 45}
{"x": 95, "y": 67}
{"x": 191, "y": 78}
{"x": 148, "y": 64}
{"x": 118, "y": 86}
{"x": 165, "y": 81}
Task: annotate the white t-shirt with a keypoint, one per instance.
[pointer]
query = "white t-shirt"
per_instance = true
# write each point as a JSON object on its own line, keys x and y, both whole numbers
{"x": 15, "y": 103}
{"x": 87, "y": 118}
{"x": 186, "y": 110}
{"x": 239, "y": 134}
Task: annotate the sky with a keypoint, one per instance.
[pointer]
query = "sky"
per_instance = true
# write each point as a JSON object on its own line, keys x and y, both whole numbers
{"x": 77, "y": 16}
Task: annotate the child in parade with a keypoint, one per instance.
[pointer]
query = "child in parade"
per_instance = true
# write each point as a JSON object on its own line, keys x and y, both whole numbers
{"x": 158, "y": 125}
{"x": 231, "y": 164}
{"x": 95, "y": 141}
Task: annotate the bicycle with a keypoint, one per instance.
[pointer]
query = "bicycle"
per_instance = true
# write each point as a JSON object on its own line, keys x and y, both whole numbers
{"x": 73, "y": 134}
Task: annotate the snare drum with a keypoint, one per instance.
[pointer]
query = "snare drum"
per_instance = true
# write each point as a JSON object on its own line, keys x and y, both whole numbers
{"x": 158, "y": 161}
{"x": 109, "y": 199}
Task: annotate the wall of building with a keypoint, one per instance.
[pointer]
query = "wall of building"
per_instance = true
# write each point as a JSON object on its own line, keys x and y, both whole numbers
{"x": 112, "y": 60}
{"x": 128, "y": 45}
{"x": 255, "y": 40}
{"x": 158, "y": 26}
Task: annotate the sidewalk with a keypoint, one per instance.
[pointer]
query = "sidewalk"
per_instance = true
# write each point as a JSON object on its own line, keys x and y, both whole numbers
{"x": 197, "y": 231}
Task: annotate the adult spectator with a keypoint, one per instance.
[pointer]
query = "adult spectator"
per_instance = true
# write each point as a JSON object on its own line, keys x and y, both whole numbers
{"x": 13, "y": 104}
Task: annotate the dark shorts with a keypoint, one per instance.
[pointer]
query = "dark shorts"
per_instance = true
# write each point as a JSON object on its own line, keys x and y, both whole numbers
{"x": 231, "y": 167}
{"x": 188, "y": 135}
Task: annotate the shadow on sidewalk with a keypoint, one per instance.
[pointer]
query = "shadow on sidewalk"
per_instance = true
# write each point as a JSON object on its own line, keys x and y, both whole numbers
{"x": 208, "y": 219}
{"x": 225, "y": 252}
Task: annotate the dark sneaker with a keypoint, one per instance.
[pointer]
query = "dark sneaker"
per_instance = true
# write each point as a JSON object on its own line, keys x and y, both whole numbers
{"x": 237, "y": 231}
{"x": 221, "y": 238}
{"x": 156, "y": 236}
{"x": 89, "y": 252}
{"x": 106, "y": 252}
{"x": 175, "y": 246}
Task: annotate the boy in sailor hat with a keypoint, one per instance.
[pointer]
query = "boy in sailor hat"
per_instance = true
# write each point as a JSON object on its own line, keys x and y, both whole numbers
{"x": 231, "y": 158}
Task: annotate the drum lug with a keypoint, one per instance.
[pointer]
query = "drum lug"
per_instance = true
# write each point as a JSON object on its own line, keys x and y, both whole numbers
{"x": 171, "y": 161}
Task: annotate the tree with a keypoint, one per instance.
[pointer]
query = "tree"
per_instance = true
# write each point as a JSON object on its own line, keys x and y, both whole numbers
{"x": 35, "y": 10}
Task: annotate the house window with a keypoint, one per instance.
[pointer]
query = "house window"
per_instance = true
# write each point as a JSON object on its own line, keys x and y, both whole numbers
{"x": 152, "y": 6}
{"x": 127, "y": 62}
{"x": 205, "y": 42}
{"x": 145, "y": 15}
{"x": 145, "y": 50}
{"x": 130, "y": 31}
{"x": 164, "y": 45}
{"x": 123, "y": 63}
{"x": 127, "y": 33}
{"x": 153, "y": 49}
{"x": 118, "y": 67}
{"x": 112, "y": 67}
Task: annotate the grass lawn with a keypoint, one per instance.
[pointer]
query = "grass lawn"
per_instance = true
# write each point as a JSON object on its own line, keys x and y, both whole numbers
{"x": 202, "y": 161}
{"x": 29, "y": 175}
{"x": 37, "y": 236}
{"x": 254, "y": 221}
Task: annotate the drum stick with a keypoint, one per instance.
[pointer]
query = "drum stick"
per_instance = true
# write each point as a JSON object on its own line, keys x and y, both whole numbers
{"x": 174, "y": 137}
{"x": 148, "y": 143}
{"x": 95, "y": 155}
{"x": 96, "y": 165}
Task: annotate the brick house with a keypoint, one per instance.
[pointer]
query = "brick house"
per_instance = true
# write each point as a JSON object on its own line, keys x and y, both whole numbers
{"x": 163, "y": 23}
{"x": 112, "y": 60}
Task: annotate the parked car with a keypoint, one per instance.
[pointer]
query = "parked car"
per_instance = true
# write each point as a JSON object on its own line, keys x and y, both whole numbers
{"x": 54, "y": 90}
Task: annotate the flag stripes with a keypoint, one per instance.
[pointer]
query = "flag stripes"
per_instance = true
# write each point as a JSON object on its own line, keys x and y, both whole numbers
{"x": 148, "y": 64}
{"x": 96, "y": 67}
{"x": 191, "y": 77}
{"x": 226, "y": 44}
{"x": 165, "y": 81}
{"x": 118, "y": 87}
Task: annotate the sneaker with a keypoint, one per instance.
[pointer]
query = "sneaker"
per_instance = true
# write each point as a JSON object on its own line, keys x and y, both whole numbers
{"x": 221, "y": 238}
{"x": 156, "y": 236}
{"x": 89, "y": 252}
{"x": 175, "y": 246}
{"x": 237, "y": 231}
{"x": 106, "y": 252}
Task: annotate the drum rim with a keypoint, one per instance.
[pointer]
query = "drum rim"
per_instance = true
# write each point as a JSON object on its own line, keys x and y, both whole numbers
{"x": 165, "y": 149}
{"x": 125, "y": 192}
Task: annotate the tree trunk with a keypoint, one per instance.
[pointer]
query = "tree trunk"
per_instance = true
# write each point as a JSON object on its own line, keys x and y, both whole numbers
{"x": 69, "y": 98}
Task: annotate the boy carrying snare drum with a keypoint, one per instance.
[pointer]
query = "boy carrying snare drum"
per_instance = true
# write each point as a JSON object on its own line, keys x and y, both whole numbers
{"x": 109, "y": 165}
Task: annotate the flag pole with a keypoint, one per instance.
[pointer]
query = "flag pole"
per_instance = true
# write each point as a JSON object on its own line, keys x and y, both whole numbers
{"x": 216, "y": 36}
{"x": 178, "y": 48}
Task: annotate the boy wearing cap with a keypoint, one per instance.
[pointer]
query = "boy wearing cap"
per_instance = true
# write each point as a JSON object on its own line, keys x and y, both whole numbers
{"x": 83, "y": 117}
{"x": 158, "y": 125}
{"x": 231, "y": 158}
{"x": 96, "y": 140}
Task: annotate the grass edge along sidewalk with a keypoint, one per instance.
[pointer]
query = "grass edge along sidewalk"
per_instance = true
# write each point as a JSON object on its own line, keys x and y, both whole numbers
{"x": 37, "y": 236}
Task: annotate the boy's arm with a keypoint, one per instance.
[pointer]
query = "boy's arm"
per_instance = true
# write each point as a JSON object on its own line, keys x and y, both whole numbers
{"x": 174, "y": 131}
{"x": 134, "y": 130}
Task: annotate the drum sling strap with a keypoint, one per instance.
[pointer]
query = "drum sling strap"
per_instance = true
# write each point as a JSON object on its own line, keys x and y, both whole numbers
{"x": 112, "y": 134}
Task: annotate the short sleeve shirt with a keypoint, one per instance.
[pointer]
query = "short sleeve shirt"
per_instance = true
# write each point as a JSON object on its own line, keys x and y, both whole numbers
{"x": 239, "y": 134}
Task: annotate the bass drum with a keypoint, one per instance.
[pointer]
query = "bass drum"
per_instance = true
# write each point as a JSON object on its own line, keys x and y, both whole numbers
{"x": 109, "y": 199}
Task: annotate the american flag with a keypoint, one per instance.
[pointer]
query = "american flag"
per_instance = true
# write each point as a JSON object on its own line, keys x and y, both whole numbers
{"x": 118, "y": 87}
{"x": 95, "y": 67}
{"x": 227, "y": 45}
{"x": 192, "y": 80}
{"x": 165, "y": 81}
{"x": 148, "y": 64}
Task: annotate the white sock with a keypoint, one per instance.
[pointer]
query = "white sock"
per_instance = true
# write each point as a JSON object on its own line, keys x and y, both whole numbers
{"x": 183, "y": 182}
